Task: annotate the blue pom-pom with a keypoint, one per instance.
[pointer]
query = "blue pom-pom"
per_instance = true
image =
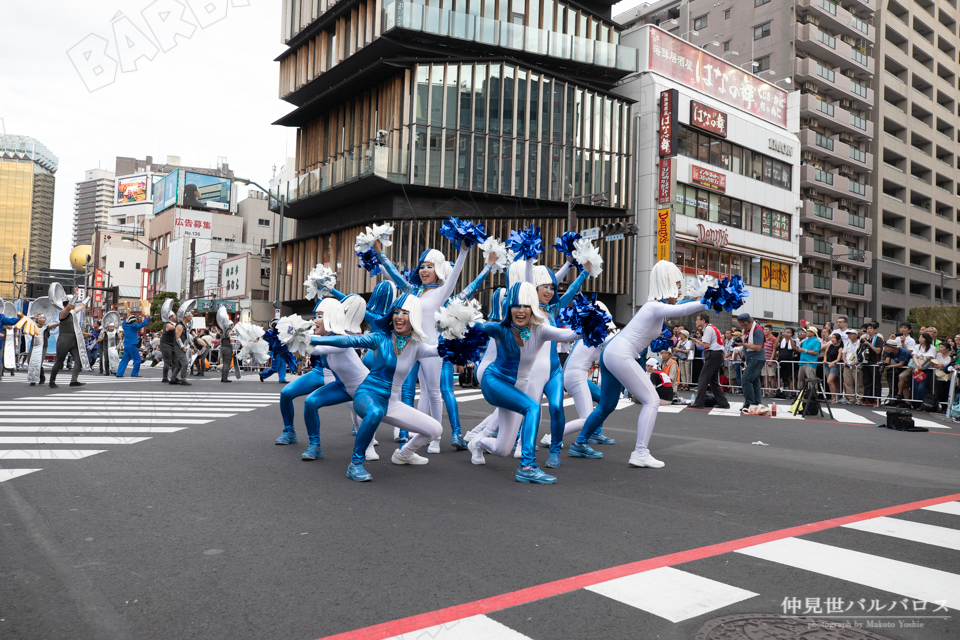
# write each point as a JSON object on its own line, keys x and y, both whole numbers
{"x": 525, "y": 244}
{"x": 586, "y": 318}
{"x": 462, "y": 232}
{"x": 727, "y": 296}
{"x": 407, "y": 273}
{"x": 564, "y": 243}
{"x": 662, "y": 342}
{"x": 470, "y": 348}
{"x": 370, "y": 262}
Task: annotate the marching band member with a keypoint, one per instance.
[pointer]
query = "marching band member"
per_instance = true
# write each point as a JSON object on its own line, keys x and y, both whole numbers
{"x": 131, "y": 339}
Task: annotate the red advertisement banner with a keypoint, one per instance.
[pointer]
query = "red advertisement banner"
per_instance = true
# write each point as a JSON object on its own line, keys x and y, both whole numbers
{"x": 688, "y": 65}
{"x": 708, "y": 179}
{"x": 98, "y": 284}
{"x": 708, "y": 118}
{"x": 668, "y": 120}
{"x": 664, "y": 181}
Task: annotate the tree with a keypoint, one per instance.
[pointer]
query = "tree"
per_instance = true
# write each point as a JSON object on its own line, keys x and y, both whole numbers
{"x": 156, "y": 303}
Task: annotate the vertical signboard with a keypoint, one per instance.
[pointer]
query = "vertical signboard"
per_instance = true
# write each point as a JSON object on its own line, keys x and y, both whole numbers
{"x": 668, "y": 122}
{"x": 144, "y": 283}
{"x": 663, "y": 234}
{"x": 665, "y": 181}
{"x": 98, "y": 286}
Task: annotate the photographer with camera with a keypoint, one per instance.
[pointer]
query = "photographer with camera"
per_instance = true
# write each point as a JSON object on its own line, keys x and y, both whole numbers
{"x": 753, "y": 359}
{"x": 852, "y": 382}
{"x": 895, "y": 360}
{"x": 871, "y": 346}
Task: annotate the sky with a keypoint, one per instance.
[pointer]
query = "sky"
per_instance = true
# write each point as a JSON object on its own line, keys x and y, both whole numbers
{"x": 212, "y": 93}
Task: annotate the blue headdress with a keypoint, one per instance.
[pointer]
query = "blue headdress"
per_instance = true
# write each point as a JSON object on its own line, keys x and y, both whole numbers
{"x": 496, "y": 305}
{"x": 522, "y": 294}
{"x": 381, "y": 300}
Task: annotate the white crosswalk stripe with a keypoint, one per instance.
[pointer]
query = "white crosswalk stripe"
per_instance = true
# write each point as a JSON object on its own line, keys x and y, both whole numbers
{"x": 920, "y": 422}
{"x": 88, "y": 418}
{"x": 676, "y": 594}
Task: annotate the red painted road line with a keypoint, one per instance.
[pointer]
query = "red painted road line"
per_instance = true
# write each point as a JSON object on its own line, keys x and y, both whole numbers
{"x": 566, "y": 585}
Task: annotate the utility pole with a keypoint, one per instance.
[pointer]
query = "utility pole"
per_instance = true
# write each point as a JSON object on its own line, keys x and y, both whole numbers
{"x": 193, "y": 259}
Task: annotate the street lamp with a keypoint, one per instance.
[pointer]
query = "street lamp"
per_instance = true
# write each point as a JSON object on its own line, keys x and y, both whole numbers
{"x": 156, "y": 259}
{"x": 572, "y": 201}
{"x": 752, "y": 63}
{"x": 281, "y": 202}
{"x": 785, "y": 80}
{"x": 729, "y": 53}
{"x": 857, "y": 255}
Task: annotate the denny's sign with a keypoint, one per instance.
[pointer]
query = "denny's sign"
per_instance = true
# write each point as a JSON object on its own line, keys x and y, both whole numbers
{"x": 708, "y": 179}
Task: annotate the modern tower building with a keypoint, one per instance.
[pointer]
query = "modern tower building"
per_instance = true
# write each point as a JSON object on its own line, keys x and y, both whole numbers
{"x": 823, "y": 49}
{"x": 917, "y": 238}
{"x": 91, "y": 201}
{"x": 499, "y": 111}
{"x": 27, "y": 183}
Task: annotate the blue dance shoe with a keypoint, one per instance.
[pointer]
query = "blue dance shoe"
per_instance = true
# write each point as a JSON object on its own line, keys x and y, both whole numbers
{"x": 289, "y": 436}
{"x": 599, "y": 438}
{"x": 584, "y": 451}
{"x": 553, "y": 461}
{"x": 313, "y": 452}
{"x": 533, "y": 475}
{"x": 353, "y": 431}
{"x": 458, "y": 443}
{"x": 357, "y": 473}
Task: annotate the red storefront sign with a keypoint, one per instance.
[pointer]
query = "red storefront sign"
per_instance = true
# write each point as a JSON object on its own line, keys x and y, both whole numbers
{"x": 708, "y": 179}
{"x": 664, "y": 181}
{"x": 708, "y": 119}
{"x": 716, "y": 237}
{"x": 98, "y": 286}
{"x": 668, "y": 120}
{"x": 673, "y": 58}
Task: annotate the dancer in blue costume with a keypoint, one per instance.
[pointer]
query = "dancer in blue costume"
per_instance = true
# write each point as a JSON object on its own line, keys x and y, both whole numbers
{"x": 398, "y": 343}
{"x": 489, "y": 355}
{"x": 519, "y": 337}
{"x": 433, "y": 282}
{"x": 619, "y": 367}
{"x": 306, "y": 384}
{"x": 347, "y": 369}
{"x": 131, "y": 338}
{"x": 280, "y": 356}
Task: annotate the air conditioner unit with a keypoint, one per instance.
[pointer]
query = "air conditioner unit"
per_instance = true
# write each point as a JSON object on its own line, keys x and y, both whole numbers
{"x": 810, "y": 122}
{"x": 846, "y": 104}
{"x": 847, "y": 137}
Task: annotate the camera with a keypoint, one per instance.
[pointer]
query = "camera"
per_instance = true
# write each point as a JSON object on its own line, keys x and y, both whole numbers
{"x": 737, "y": 340}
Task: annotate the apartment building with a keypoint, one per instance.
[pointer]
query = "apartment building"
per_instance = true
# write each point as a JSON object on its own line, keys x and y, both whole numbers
{"x": 916, "y": 245}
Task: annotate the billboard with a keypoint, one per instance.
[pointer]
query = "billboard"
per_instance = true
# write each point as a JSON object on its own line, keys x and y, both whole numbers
{"x": 233, "y": 276}
{"x": 165, "y": 192}
{"x": 193, "y": 224}
{"x": 206, "y": 192}
{"x": 131, "y": 189}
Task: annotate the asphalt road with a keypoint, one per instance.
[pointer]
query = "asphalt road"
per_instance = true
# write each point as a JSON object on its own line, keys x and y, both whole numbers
{"x": 214, "y": 532}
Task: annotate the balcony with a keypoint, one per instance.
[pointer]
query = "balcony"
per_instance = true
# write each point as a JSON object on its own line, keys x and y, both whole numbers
{"x": 840, "y": 154}
{"x": 835, "y": 17}
{"x": 840, "y": 121}
{"x": 842, "y": 255}
{"x": 833, "y": 218}
{"x": 444, "y": 24}
{"x": 852, "y": 290}
{"x": 840, "y": 187}
{"x": 831, "y": 49}
{"x": 810, "y": 283}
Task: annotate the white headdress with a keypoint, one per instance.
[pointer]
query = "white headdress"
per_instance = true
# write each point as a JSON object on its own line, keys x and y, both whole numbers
{"x": 333, "y": 318}
{"x": 354, "y": 308}
{"x": 542, "y": 276}
{"x": 411, "y": 304}
{"x": 440, "y": 264}
{"x": 527, "y": 297}
{"x": 663, "y": 281}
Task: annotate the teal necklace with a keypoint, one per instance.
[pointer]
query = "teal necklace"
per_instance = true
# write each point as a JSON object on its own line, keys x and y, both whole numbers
{"x": 524, "y": 332}
{"x": 399, "y": 342}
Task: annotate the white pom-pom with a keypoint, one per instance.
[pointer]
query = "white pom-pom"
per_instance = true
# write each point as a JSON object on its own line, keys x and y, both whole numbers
{"x": 698, "y": 286}
{"x": 320, "y": 282}
{"x": 383, "y": 233}
{"x": 364, "y": 242}
{"x": 454, "y": 319}
{"x": 504, "y": 255}
{"x": 249, "y": 334}
{"x": 295, "y": 332}
{"x": 584, "y": 252}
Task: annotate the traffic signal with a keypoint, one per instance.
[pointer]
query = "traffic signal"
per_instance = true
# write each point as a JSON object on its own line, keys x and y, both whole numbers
{"x": 618, "y": 228}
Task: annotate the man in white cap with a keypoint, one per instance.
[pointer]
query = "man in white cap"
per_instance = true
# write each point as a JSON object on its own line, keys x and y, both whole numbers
{"x": 661, "y": 382}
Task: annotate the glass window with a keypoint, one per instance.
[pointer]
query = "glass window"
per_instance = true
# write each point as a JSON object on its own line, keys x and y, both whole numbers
{"x": 506, "y": 169}
{"x": 494, "y": 125}
{"x": 480, "y": 99}
{"x": 452, "y": 97}
{"x": 726, "y": 16}
{"x": 690, "y": 202}
{"x": 522, "y": 103}
{"x": 688, "y": 257}
{"x": 532, "y": 170}
{"x": 534, "y": 108}
{"x": 735, "y": 214}
{"x": 493, "y": 164}
{"x": 736, "y": 160}
{"x": 490, "y": 9}
{"x": 534, "y": 11}
{"x": 558, "y": 91}
{"x": 701, "y": 259}
{"x": 714, "y": 207}
{"x": 570, "y": 113}
{"x": 545, "y": 111}
{"x": 715, "y": 152}
{"x": 703, "y": 153}
{"x": 713, "y": 261}
{"x": 433, "y": 177}
{"x": 703, "y": 205}
{"x": 436, "y": 95}
{"x": 423, "y": 93}
{"x": 507, "y": 122}
{"x": 420, "y": 156}
{"x": 548, "y": 14}
{"x": 466, "y": 97}
{"x": 518, "y": 169}
{"x": 726, "y": 150}
{"x": 724, "y": 210}
{"x": 545, "y": 165}
{"x": 449, "y": 158}
{"x": 479, "y": 146}
{"x": 763, "y": 64}
{"x": 761, "y": 31}
{"x": 700, "y": 23}
{"x": 735, "y": 262}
